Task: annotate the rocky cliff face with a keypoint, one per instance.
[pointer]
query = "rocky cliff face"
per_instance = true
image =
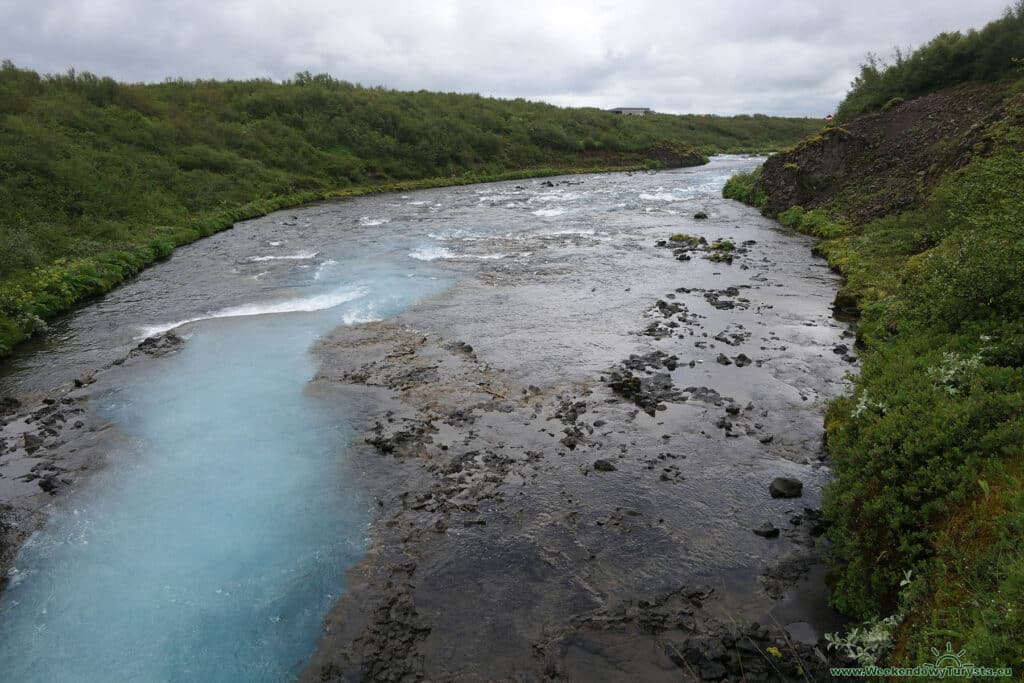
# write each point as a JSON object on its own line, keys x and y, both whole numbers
{"x": 885, "y": 162}
{"x": 676, "y": 155}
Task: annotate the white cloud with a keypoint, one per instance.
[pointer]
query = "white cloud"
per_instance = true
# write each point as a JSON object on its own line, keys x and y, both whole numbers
{"x": 722, "y": 56}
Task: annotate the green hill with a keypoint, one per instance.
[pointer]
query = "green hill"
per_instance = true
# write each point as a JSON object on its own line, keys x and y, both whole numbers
{"x": 99, "y": 178}
{"x": 993, "y": 53}
{"x": 920, "y": 205}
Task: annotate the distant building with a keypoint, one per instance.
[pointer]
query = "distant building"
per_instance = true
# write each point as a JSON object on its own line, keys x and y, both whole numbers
{"x": 631, "y": 111}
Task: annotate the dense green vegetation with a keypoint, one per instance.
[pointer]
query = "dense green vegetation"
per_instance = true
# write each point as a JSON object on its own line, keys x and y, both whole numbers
{"x": 929, "y": 444}
{"x": 99, "y": 178}
{"x": 743, "y": 187}
{"x": 994, "y": 52}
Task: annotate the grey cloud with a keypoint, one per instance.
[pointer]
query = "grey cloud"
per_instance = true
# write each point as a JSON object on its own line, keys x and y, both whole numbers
{"x": 722, "y": 56}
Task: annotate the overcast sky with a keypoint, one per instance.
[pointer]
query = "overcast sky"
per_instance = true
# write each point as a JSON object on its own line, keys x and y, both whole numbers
{"x": 793, "y": 57}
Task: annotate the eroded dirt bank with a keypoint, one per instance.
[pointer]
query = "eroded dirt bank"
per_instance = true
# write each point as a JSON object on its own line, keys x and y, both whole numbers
{"x": 572, "y": 459}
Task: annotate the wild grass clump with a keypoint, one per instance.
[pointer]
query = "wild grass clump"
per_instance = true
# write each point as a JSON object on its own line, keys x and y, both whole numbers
{"x": 815, "y": 222}
{"x": 685, "y": 240}
{"x": 744, "y": 187}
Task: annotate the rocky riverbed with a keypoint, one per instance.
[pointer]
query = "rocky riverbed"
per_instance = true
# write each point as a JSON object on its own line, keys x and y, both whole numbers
{"x": 604, "y": 472}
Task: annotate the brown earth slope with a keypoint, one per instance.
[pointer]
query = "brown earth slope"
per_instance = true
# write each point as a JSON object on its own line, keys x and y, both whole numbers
{"x": 884, "y": 162}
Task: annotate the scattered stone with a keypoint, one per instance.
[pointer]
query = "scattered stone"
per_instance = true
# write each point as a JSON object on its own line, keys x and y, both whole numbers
{"x": 812, "y": 520}
{"x": 160, "y": 345}
{"x": 767, "y": 530}
{"x": 50, "y": 483}
{"x": 32, "y": 442}
{"x": 786, "y": 487}
{"x": 646, "y": 392}
{"x": 742, "y": 360}
{"x": 700, "y": 216}
{"x": 705, "y": 394}
{"x": 400, "y": 442}
{"x": 604, "y": 466}
{"x": 723, "y": 359}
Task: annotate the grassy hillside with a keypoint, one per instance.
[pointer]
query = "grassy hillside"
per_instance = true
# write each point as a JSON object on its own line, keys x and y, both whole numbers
{"x": 921, "y": 208}
{"x": 99, "y": 178}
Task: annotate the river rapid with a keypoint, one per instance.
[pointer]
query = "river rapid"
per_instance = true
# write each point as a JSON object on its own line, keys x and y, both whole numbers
{"x": 400, "y": 400}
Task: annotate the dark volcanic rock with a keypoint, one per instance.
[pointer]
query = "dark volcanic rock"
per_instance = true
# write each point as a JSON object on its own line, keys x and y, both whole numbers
{"x": 604, "y": 466}
{"x": 700, "y": 215}
{"x": 9, "y": 405}
{"x": 786, "y": 487}
{"x": 160, "y": 345}
{"x": 32, "y": 442}
{"x": 50, "y": 483}
{"x": 646, "y": 392}
{"x": 767, "y": 530}
{"x": 399, "y": 441}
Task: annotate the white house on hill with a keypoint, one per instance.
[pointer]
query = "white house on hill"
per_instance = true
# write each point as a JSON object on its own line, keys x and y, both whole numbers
{"x": 631, "y": 111}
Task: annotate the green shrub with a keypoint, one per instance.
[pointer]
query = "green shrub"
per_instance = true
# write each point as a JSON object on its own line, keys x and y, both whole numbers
{"x": 949, "y": 59}
{"x": 744, "y": 187}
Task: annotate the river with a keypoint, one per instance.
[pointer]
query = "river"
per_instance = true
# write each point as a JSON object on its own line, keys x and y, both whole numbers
{"x": 227, "y": 497}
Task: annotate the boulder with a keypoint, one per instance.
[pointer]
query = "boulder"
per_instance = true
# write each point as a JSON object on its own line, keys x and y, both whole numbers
{"x": 32, "y": 442}
{"x": 786, "y": 487}
{"x": 767, "y": 530}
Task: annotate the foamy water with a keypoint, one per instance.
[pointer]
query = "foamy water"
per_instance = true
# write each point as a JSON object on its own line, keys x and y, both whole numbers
{"x": 548, "y": 213}
{"x": 317, "y": 302}
{"x": 431, "y": 253}
{"x": 301, "y": 256}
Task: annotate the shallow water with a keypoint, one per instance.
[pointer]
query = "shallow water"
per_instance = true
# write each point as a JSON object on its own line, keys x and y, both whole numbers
{"x": 218, "y": 535}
